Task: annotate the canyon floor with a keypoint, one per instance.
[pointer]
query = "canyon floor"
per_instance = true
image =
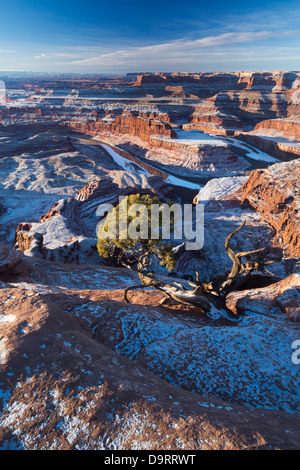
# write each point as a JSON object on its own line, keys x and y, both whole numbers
{"x": 80, "y": 369}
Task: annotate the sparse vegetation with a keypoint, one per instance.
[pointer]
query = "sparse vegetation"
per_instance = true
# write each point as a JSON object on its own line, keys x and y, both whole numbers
{"x": 140, "y": 254}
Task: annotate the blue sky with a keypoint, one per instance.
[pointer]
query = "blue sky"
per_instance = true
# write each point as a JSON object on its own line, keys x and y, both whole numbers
{"x": 125, "y": 36}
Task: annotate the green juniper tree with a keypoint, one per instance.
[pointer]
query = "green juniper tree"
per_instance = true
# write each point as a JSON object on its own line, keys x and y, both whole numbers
{"x": 141, "y": 252}
{"x": 134, "y": 238}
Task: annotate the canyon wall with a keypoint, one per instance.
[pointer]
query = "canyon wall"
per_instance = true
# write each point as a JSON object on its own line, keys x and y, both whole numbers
{"x": 274, "y": 192}
{"x": 287, "y": 127}
{"x": 140, "y": 126}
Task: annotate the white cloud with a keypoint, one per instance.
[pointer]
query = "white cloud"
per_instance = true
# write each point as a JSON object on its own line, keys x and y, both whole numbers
{"x": 215, "y": 52}
{"x": 180, "y": 51}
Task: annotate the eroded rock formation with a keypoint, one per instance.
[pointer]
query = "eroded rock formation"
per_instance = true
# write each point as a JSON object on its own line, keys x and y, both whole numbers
{"x": 274, "y": 193}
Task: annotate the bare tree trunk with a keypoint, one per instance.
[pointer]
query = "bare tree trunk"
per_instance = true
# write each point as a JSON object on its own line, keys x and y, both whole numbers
{"x": 204, "y": 296}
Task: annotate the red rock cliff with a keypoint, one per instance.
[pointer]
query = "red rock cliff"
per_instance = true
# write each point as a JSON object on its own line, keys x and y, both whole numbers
{"x": 274, "y": 192}
{"x": 140, "y": 126}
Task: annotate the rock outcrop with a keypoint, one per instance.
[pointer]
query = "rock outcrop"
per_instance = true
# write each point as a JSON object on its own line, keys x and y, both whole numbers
{"x": 268, "y": 201}
{"x": 134, "y": 125}
{"x": 274, "y": 193}
{"x": 277, "y": 300}
{"x": 67, "y": 232}
{"x": 218, "y": 188}
{"x": 285, "y": 127}
{"x": 9, "y": 258}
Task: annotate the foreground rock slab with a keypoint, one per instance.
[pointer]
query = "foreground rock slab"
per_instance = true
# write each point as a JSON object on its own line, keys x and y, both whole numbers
{"x": 277, "y": 300}
{"x": 61, "y": 389}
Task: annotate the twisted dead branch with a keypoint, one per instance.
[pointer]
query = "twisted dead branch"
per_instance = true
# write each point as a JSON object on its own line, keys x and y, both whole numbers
{"x": 206, "y": 295}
